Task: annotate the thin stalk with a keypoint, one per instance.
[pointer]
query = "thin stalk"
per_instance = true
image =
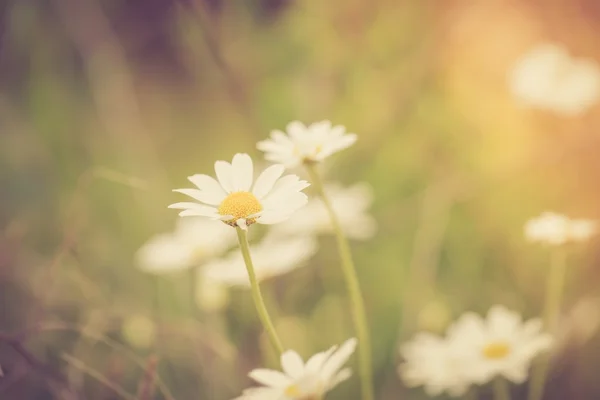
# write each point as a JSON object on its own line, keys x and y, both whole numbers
{"x": 501, "y": 389}
{"x": 353, "y": 287}
{"x": 553, "y": 300}
{"x": 256, "y": 295}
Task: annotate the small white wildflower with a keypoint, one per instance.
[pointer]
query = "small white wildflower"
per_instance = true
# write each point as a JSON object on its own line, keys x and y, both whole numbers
{"x": 500, "y": 345}
{"x": 431, "y": 362}
{"x": 351, "y": 206}
{"x": 194, "y": 241}
{"x": 272, "y": 257}
{"x": 548, "y": 77}
{"x": 305, "y": 144}
{"x": 238, "y": 201}
{"x": 302, "y": 381}
{"x": 556, "y": 229}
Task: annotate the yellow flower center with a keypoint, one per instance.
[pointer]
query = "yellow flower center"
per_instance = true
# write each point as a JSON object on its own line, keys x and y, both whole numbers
{"x": 496, "y": 350}
{"x": 292, "y": 391}
{"x": 240, "y": 205}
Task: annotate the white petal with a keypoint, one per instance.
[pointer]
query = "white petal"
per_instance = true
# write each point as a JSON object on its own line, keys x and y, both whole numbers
{"x": 224, "y": 172}
{"x": 292, "y": 364}
{"x": 242, "y": 224}
{"x": 207, "y": 183}
{"x": 315, "y": 363}
{"x": 199, "y": 212}
{"x": 207, "y": 197}
{"x": 339, "y": 378}
{"x": 269, "y": 377}
{"x": 267, "y": 179}
{"x": 243, "y": 172}
{"x": 273, "y": 217}
{"x": 337, "y": 359}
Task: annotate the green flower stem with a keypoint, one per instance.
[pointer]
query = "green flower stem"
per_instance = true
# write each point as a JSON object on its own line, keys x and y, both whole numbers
{"x": 256, "y": 295}
{"x": 501, "y": 389}
{"x": 554, "y": 292}
{"x": 356, "y": 298}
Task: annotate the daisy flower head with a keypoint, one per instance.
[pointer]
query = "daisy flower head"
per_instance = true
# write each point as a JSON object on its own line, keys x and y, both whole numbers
{"x": 432, "y": 362}
{"x": 192, "y": 242}
{"x": 272, "y": 257}
{"x": 302, "y": 381}
{"x": 351, "y": 206}
{"x": 237, "y": 200}
{"x": 556, "y": 229}
{"x": 305, "y": 144}
{"x": 499, "y": 345}
{"x": 548, "y": 77}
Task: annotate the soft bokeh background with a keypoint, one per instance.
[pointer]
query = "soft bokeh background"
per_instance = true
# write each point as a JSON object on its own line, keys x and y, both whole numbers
{"x": 105, "y": 106}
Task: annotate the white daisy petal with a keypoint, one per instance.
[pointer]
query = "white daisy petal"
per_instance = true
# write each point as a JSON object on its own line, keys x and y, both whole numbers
{"x": 267, "y": 179}
{"x": 299, "y": 381}
{"x": 292, "y": 364}
{"x": 224, "y": 172}
{"x": 243, "y": 172}
{"x": 202, "y": 196}
{"x": 339, "y": 358}
{"x": 269, "y": 377}
{"x": 207, "y": 184}
{"x": 302, "y": 143}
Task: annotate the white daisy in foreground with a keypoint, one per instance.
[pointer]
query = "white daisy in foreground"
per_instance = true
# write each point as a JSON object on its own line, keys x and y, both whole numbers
{"x": 194, "y": 241}
{"x": 299, "y": 380}
{"x": 235, "y": 200}
{"x": 305, "y": 144}
{"x": 500, "y": 345}
{"x": 548, "y": 77}
{"x": 431, "y": 362}
{"x": 556, "y": 229}
{"x": 272, "y": 257}
{"x": 351, "y": 206}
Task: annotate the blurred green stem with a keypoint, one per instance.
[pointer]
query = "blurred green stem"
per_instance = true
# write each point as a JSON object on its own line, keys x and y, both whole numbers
{"x": 501, "y": 389}
{"x": 353, "y": 287}
{"x": 256, "y": 295}
{"x": 554, "y": 291}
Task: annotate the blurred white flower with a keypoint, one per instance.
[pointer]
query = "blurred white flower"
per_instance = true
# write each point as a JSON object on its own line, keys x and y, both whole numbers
{"x": 351, "y": 206}
{"x": 302, "y": 381}
{"x": 313, "y": 143}
{"x": 500, "y": 345}
{"x": 556, "y": 229}
{"x": 548, "y": 77}
{"x": 271, "y": 257}
{"x": 229, "y": 199}
{"x": 431, "y": 362}
{"x": 194, "y": 241}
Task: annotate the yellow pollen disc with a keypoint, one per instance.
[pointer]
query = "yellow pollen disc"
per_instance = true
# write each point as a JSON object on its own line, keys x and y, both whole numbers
{"x": 240, "y": 205}
{"x": 292, "y": 391}
{"x": 496, "y": 350}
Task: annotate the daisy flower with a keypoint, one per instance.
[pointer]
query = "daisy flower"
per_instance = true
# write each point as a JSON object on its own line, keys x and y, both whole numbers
{"x": 499, "y": 345}
{"x": 272, "y": 257}
{"x": 192, "y": 242}
{"x": 302, "y": 381}
{"x": 351, "y": 206}
{"x": 431, "y": 362}
{"x": 305, "y": 144}
{"x": 548, "y": 77}
{"x": 556, "y": 229}
{"x": 238, "y": 201}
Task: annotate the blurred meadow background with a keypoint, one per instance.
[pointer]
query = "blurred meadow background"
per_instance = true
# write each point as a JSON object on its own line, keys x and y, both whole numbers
{"x": 107, "y": 105}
